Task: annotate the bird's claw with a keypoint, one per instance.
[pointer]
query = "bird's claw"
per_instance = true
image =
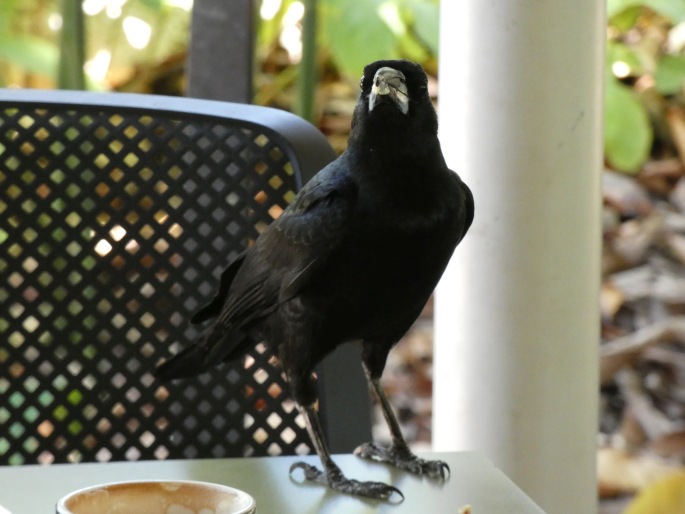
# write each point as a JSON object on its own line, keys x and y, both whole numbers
{"x": 403, "y": 458}
{"x": 311, "y": 473}
{"x": 338, "y": 482}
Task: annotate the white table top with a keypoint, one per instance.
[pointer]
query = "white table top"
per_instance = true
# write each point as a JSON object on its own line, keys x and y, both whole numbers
{"x": 474, "y": 481}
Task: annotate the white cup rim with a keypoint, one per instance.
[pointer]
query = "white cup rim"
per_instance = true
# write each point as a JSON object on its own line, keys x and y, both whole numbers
{"x": 250, "y": 508}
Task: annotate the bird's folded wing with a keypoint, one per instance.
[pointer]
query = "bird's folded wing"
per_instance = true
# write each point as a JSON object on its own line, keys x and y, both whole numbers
{"x": 315, "y": 224}
{"x": 212, "y": 309}
{"x": 251, "y": 301}
{"x": 289, "y": 253}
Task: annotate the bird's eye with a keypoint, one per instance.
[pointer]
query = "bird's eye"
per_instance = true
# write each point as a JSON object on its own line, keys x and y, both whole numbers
{"x": 361, "y": 82}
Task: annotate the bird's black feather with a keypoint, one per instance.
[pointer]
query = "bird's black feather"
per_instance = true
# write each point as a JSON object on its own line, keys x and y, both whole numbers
{"x": 212, "y": 309}
{"x": 355, "y": 256}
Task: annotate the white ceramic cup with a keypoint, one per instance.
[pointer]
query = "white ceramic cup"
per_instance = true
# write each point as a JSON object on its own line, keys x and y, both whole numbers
{"x": 157, "y": 497}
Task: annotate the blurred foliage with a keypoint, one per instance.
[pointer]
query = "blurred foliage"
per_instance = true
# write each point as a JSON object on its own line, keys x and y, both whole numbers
{"x": 28, "y": 48}
{"x": 346, "y": 40}
{"x": 128, "y": 39}
{"x": 400, "y": 28}
{"x": 141, "y": 45}
{"x": 645, "y": 74}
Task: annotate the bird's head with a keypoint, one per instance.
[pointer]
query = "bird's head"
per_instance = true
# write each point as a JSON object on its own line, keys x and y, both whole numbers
{"x": 394, "y": 97}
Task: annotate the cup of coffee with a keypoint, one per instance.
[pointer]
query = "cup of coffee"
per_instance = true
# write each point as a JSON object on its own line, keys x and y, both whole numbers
{"x": 157, "y": 497}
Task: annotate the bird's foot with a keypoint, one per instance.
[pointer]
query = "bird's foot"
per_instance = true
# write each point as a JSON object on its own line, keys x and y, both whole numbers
{"x": 402, "y": 457}
{"x": 338, "y": 482}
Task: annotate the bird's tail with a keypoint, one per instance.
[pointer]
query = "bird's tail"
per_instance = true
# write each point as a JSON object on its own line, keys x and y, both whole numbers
{"x": 187, "y": 363}
{"x": 203, "y": 353}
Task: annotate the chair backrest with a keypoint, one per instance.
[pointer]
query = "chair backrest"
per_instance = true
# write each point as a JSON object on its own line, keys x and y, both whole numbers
{"x": 117, "y": 215}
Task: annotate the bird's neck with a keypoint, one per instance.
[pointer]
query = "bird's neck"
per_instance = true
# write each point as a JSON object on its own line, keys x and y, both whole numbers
{"x": 393, "y": 158}
{"x": 402, "y": 179}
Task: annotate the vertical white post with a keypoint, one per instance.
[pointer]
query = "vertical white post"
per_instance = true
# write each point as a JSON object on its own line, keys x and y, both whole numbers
{"x": 517, "y": 310}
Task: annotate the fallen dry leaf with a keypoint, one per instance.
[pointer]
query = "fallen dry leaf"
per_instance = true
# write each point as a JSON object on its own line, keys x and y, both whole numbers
{"x": 620, "y": 472}
{"x": 665, "y": 496}
{"x": 611, "y": 300}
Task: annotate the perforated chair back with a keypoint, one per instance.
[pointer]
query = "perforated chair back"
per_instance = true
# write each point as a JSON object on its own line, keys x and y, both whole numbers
{"x": 117, "y": 215}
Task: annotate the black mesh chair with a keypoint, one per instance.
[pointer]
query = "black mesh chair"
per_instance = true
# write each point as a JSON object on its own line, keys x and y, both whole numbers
{"x": 117, "y": 215}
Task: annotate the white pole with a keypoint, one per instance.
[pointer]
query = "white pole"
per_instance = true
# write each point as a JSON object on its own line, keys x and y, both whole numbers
{"x": 516, "y": 367}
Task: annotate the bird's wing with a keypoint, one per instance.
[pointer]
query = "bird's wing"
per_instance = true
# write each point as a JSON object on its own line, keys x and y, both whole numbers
{"x": 214, "y": 307}
{"x": 291, "y": 250}
{"x": 320, "y": 210}
{"x": 316, "y": 222}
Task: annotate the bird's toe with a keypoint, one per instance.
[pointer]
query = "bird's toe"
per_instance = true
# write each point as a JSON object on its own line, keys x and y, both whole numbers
{"x": 338, "y": 482}
{"x": 311, "y": 473}
{"x": 401, "y": 457}
{"x": 375, "y": 490}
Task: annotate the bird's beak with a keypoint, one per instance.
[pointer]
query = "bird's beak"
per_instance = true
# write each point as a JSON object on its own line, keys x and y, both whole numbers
{"x": 390, "y": 85}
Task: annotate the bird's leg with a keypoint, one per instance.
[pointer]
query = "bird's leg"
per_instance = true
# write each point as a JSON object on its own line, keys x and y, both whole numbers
{"x": 331, "y": 475}
{"x": 303, "y": 388}
{"x": 398, "y": 454}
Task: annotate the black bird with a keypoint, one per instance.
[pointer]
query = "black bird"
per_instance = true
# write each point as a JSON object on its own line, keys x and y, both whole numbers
{"x": 355, "y": 257}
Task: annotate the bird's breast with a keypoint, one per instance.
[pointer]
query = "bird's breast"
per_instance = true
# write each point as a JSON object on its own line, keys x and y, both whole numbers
{"x": 383, "y": 274}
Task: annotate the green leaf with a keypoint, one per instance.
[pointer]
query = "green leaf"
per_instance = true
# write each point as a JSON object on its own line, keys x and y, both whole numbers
{"x": 672, "y": 9}
{"x": 426, "y": 23}
{"x": 670, "y": 74}
{"x": 412, "y": 49}
{"x": 615, "y": 7}
{"x": 31, "y": 53}
{"x": 155, "y": 5}
{"x": 626, "y": 19}
{"x": 389, "y": 12}
{"x": 627, "y": 130}
{"x": 10, "y": 12}
{"x": 356, "y": 35}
